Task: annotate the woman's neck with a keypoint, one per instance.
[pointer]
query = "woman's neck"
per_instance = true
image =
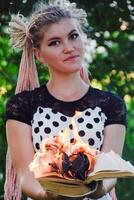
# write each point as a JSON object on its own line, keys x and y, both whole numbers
{"x": 67, "y": 88}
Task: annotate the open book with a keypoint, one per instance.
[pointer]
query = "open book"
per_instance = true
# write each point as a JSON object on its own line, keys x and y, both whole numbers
{"x": 108, "y": 165}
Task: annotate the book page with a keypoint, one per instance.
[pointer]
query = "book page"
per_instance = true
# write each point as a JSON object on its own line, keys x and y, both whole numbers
{"x": 124, "y": 166}
{"x": 64, "y": 189}
{"x": 105, "y": 162}
{"x": 111, "y": 162}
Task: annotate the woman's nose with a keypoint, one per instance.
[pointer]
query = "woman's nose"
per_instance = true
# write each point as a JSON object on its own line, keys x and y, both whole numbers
{"x": 67, "y": 47}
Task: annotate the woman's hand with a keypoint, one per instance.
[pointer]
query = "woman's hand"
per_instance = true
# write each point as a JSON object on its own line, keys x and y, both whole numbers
{"x": 99, "y": 192}
{"x": 46, "y": 196}
{"x": 52, "y": 196}
{"x": 104, "y": 187}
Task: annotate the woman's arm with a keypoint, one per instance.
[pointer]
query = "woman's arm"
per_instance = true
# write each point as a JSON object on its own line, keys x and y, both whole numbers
{"x": 19, "y": 139}
{"x": 114, "y": 136}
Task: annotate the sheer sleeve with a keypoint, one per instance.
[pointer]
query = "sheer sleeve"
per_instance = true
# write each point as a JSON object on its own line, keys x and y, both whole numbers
{"x": 117, "y": 111}
{"x": 19, "y": 108}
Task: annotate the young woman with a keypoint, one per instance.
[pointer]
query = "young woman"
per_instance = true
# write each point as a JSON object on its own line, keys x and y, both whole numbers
{"x": 54, "y": 35}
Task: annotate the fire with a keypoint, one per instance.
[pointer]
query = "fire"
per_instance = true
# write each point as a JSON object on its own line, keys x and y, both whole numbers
{"x": 58, "y": 155}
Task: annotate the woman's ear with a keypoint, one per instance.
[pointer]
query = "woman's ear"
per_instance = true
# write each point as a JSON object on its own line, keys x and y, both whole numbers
{"x": 39, "y": 55}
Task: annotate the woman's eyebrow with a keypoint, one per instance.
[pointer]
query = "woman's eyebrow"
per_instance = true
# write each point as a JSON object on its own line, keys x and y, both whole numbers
{"x": 57, "y": 38}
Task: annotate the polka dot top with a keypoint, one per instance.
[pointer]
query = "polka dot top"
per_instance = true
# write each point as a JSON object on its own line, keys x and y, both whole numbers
{"x": 49, "y": 116}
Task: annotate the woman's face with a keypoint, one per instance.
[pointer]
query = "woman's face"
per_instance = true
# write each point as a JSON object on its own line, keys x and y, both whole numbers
{"x": 62, "y": 48}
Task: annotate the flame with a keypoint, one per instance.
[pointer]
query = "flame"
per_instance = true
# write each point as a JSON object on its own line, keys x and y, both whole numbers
{"x": 75, "y": 132}
{"x": 79, "y": 143}
{"x": 57, "y": 154}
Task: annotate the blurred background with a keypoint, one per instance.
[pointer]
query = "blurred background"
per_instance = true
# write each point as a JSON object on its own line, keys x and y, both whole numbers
{"x": 109, "y": 58}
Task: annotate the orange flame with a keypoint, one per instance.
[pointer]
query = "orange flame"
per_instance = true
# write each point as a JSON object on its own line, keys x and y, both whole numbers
{"x": 52, "y": 151}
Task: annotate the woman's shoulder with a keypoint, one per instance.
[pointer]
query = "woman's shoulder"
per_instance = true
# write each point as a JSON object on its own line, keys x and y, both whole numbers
{"x": 108, "y": 96}
{"x": 19, "y": 99}
{"x": 19, "y": 105}
{"x": 26, "y": 95}
{"x": 113, "y": 106}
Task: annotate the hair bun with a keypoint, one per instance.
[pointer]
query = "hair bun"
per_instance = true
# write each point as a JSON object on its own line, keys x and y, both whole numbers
{"x": 18, "y": 30}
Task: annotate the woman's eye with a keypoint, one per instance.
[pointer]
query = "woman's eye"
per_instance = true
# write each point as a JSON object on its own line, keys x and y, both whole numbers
{"x": 54, "y": 43}
{"x": 74, "y": 36}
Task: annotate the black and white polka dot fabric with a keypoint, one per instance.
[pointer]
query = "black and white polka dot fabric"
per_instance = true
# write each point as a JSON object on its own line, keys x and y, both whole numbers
{"x": 90, "y": 125}
{"x": 49, "y": 116}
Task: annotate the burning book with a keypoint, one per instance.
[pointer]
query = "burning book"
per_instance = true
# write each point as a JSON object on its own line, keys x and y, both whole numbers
{"x": 72, "y": 169}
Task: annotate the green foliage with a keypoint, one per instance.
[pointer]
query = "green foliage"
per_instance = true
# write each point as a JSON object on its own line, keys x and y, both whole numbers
{"x": 112, "y": 67}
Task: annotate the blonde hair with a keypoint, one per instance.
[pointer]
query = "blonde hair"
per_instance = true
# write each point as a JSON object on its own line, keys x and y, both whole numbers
{"x": 26, "y": 34}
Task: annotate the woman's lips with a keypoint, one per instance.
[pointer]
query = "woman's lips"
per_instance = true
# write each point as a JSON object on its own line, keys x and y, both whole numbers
{"x": 71, "y": 58}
